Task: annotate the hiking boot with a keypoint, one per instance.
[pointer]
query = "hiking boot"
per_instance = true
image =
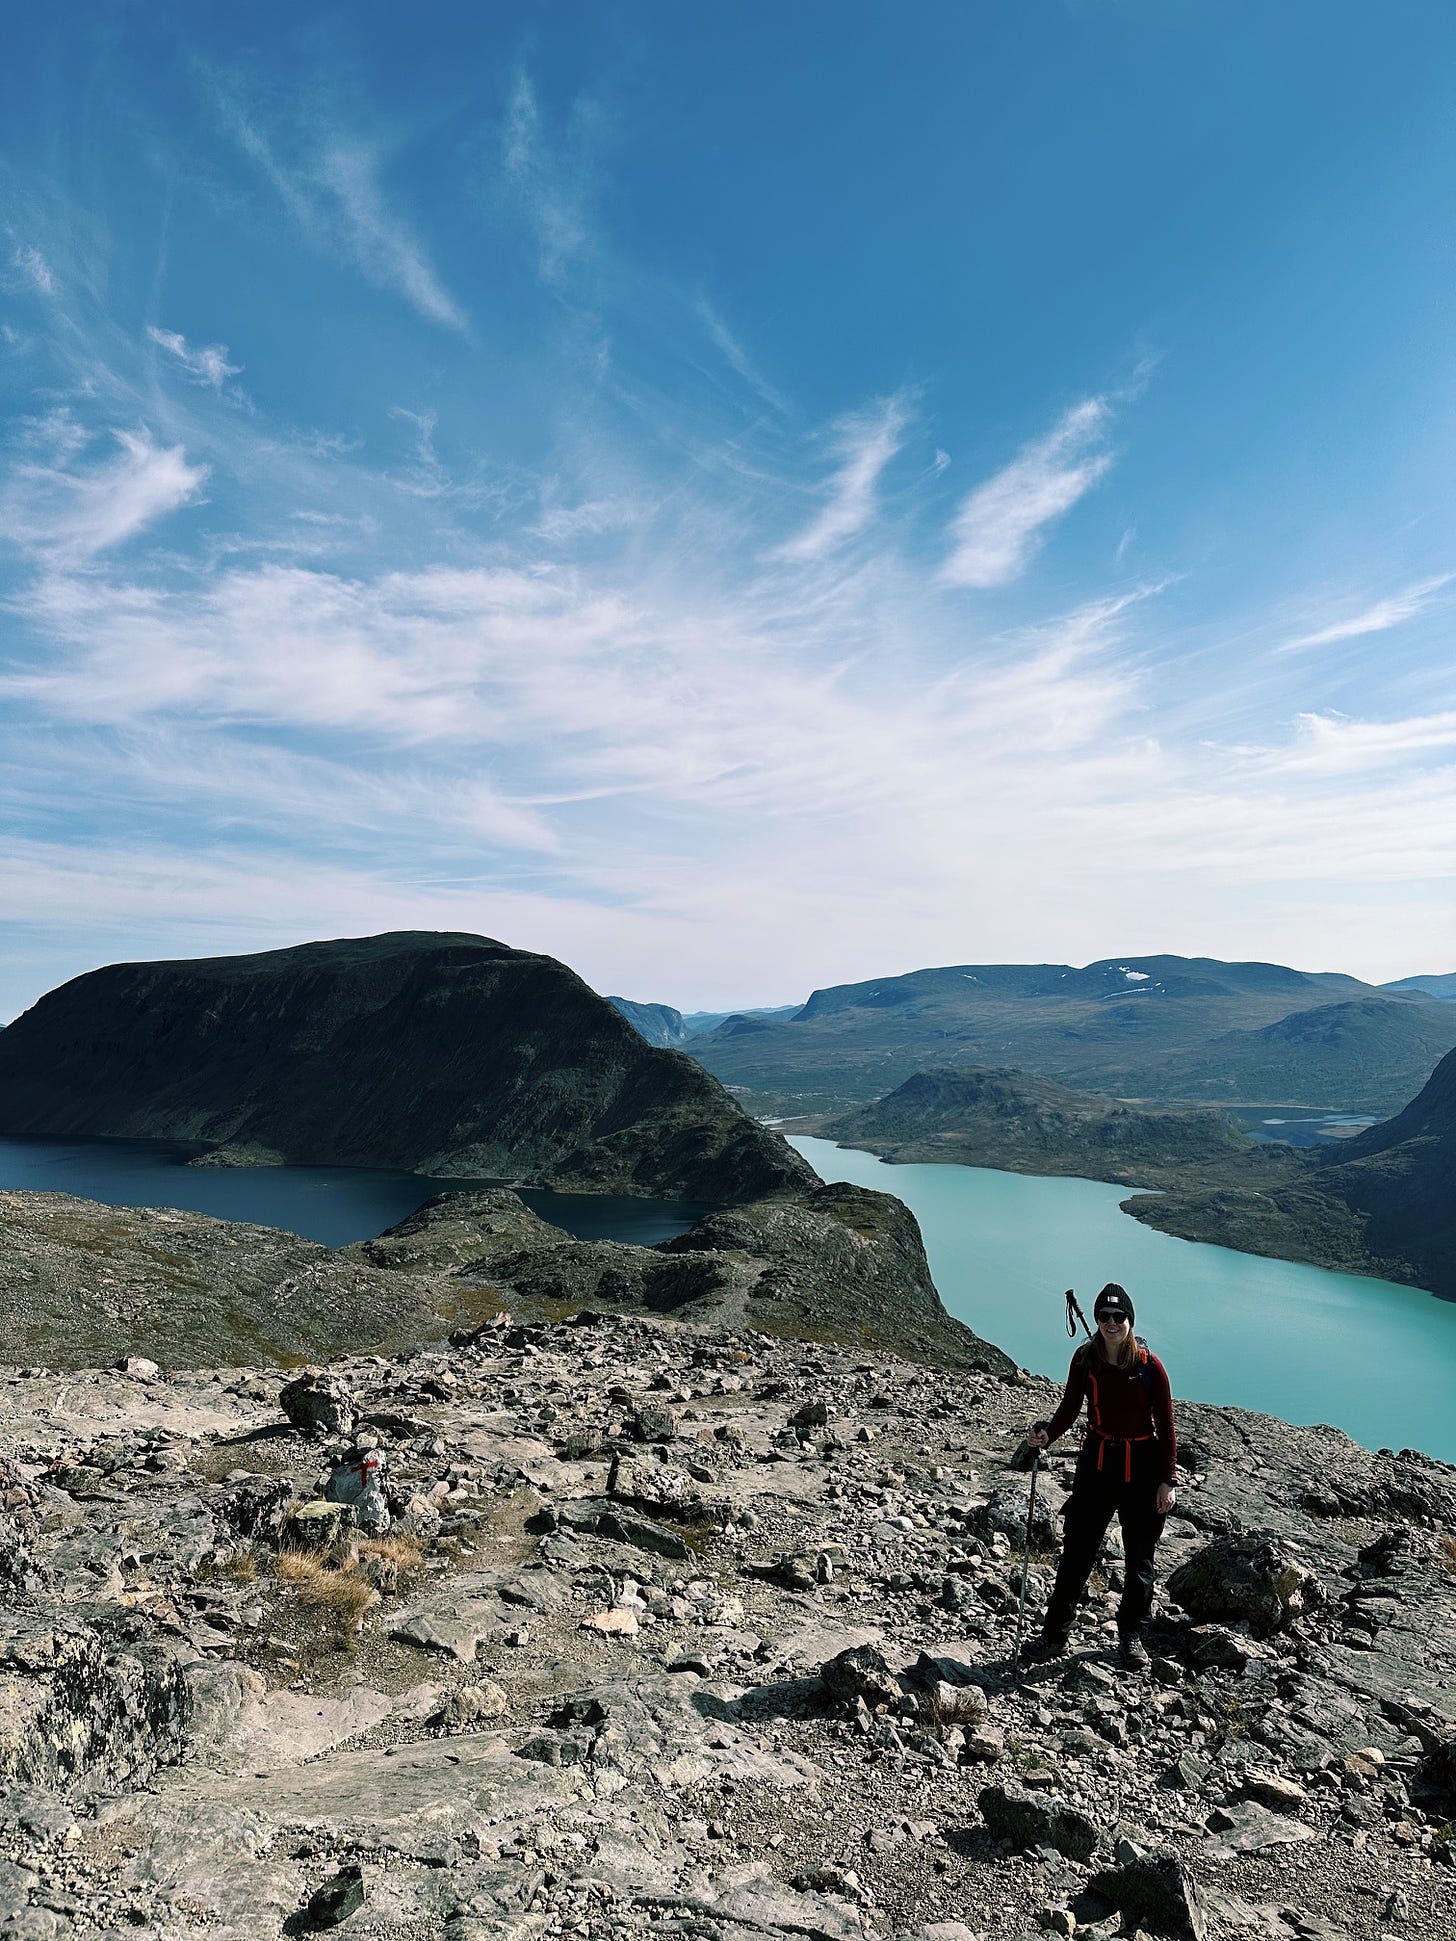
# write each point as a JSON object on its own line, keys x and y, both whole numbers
{"x": 1132, "y": 1653}
{"x": 1051, "y": 1644}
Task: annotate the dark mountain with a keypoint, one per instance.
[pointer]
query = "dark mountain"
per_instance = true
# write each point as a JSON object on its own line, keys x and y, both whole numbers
{"x": 1024, "y": 1124}
{"x": 659, "y": 1024}
{"x": 1135, "y": 1026}
{"x": 1401, "y": 1178}
{"x": 1442, "y": 986}
{"x": 424, "y": 1051}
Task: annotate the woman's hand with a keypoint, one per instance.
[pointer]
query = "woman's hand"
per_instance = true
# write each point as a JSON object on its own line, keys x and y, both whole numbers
{"x": 1036, "y": 1438}
{"x": 1167, "y": 1497}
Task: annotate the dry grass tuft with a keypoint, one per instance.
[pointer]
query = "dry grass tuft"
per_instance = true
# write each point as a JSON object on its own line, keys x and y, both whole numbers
{"x": 405, "y": 1553}
{"x": 342, "y": 1595}
{"x": 949, "y": 1705}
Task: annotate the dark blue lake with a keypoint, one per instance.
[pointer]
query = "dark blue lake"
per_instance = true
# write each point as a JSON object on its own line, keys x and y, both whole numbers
{"x": 333, "y": 1204}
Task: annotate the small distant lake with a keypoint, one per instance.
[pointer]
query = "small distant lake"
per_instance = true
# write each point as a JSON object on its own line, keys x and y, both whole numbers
{"x": 1292, "y": 1127}
{"x": 332, "y": 1204}
{"x": 1375, "y": 1359}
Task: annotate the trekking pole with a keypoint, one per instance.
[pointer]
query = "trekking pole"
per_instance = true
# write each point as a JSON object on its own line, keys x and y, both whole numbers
{"x": 1075, "y": 1314}
{"x": 1025, "y": 1564}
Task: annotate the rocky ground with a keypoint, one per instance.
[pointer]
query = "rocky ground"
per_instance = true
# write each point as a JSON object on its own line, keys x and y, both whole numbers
{"x": 619, "y": 1625}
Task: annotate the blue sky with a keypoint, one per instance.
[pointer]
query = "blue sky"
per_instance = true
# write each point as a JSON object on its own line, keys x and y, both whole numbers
{"x": 740, "y": 498}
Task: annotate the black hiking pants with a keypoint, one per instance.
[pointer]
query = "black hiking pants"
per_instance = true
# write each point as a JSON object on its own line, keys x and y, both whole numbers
{"x": 1096, "y": 1494}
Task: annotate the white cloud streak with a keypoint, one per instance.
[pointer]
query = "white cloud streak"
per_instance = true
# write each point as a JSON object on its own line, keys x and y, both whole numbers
{"x": 1376, "y": 619}
{"x": 735, "y": 356}
{"x": 1001, "y": 525}
{"x": 69, "y": 512}
{"x": 1332, "y": 744}
{"x": 204, "y": 363}
{"x": 865, "y": 444}
{"x": 29, "y": 262}
{"x": 332, "y": 191}
{"x": 379, "y": 240}
{"x": 551, "y": 187}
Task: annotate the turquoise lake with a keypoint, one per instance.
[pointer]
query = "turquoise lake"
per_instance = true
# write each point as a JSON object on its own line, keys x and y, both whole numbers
{"x": 1375, "y": 1359}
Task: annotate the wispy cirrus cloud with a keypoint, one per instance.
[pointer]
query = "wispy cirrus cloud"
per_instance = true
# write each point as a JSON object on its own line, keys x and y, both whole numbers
{"x": 1337, "y": 744}
{"x": 29, "y": 263}
{"x": 380, "y": 240}
{"x": 68, "y": 509}
{"x": 551, "y": 181}
{"x": 329, "y": 182}
{"x": 1376, "y": 619}
{"x": 1001, "y": 525}
{"x": 865, "y": 444}
{"x": 590, "y": 518}
{"x": 735, "y": 356}
{"x": 204, "y": 363}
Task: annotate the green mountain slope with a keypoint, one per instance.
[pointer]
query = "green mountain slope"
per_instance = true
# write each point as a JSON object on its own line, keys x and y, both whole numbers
{"x": 1381, "y": 1203}
{"x": 1442, "y": 986}
{"x": 1367, "y": 1053}
{"x": 1021, "y": 1123}
{"x": 1143, "y": 1027}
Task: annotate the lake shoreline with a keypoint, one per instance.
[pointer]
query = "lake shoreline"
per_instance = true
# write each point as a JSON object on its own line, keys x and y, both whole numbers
{"x": 1280, "y": 1338}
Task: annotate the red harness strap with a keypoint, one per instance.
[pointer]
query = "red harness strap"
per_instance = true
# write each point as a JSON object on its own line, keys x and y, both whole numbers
{"x": 1126, "y": 1441}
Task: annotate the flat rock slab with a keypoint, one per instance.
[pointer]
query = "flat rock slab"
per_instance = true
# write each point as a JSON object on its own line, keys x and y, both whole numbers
{"x": 287, "y": 1727}
{"x": 415, "y": 1800}
{"x": 1255, "y": 1829}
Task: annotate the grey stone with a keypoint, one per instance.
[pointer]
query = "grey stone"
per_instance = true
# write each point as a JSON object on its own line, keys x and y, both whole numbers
{"x": 860, "y": 1675}
{"x": 319, "y": 1404}
{"x": 339, "y": 1897}
{"x": 359, "y": 1482}
{"x": 1156, "y": 1890}
{"x": 1037, "y": 1820}
{"x": 1252, "y": 1579}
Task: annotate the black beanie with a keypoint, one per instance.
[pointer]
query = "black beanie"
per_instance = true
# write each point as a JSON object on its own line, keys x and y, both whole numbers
{"x": 1116, "y": 1300}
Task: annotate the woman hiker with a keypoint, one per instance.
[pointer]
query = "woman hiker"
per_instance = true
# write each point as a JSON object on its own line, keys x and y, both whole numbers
{"x": 1129, "y": 1463}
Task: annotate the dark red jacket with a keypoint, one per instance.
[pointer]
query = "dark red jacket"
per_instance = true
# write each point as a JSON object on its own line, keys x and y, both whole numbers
{"x": 1122, "y": 1403}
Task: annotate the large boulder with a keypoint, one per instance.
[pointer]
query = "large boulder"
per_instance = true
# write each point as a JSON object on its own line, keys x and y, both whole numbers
{"x": 860, "y": 1674}
{"x": 1006, "y": 1510}
{"x": 319, "y": 1405}
{"x": 1153, "y": 1891}
{"x": 1251, "y": 1578}
{"x": 1037, "y": 1820}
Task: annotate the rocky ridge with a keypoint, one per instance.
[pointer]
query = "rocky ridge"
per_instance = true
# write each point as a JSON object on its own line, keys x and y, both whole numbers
{"x": 615, "y": 1627}
{"x": 85, "y": 1283}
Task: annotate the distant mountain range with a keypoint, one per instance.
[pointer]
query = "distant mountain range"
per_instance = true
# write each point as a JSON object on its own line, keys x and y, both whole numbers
{"x": 1442, "y": 986}
{"x": 429, "y": 1052}
{"x": 1383, "y": 1202}
{"x": 660, "y": 1024}
{"x": 1162, "y": 1029}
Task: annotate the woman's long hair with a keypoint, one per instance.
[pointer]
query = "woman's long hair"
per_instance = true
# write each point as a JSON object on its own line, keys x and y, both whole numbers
{"x": 1126, "y": 1354}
